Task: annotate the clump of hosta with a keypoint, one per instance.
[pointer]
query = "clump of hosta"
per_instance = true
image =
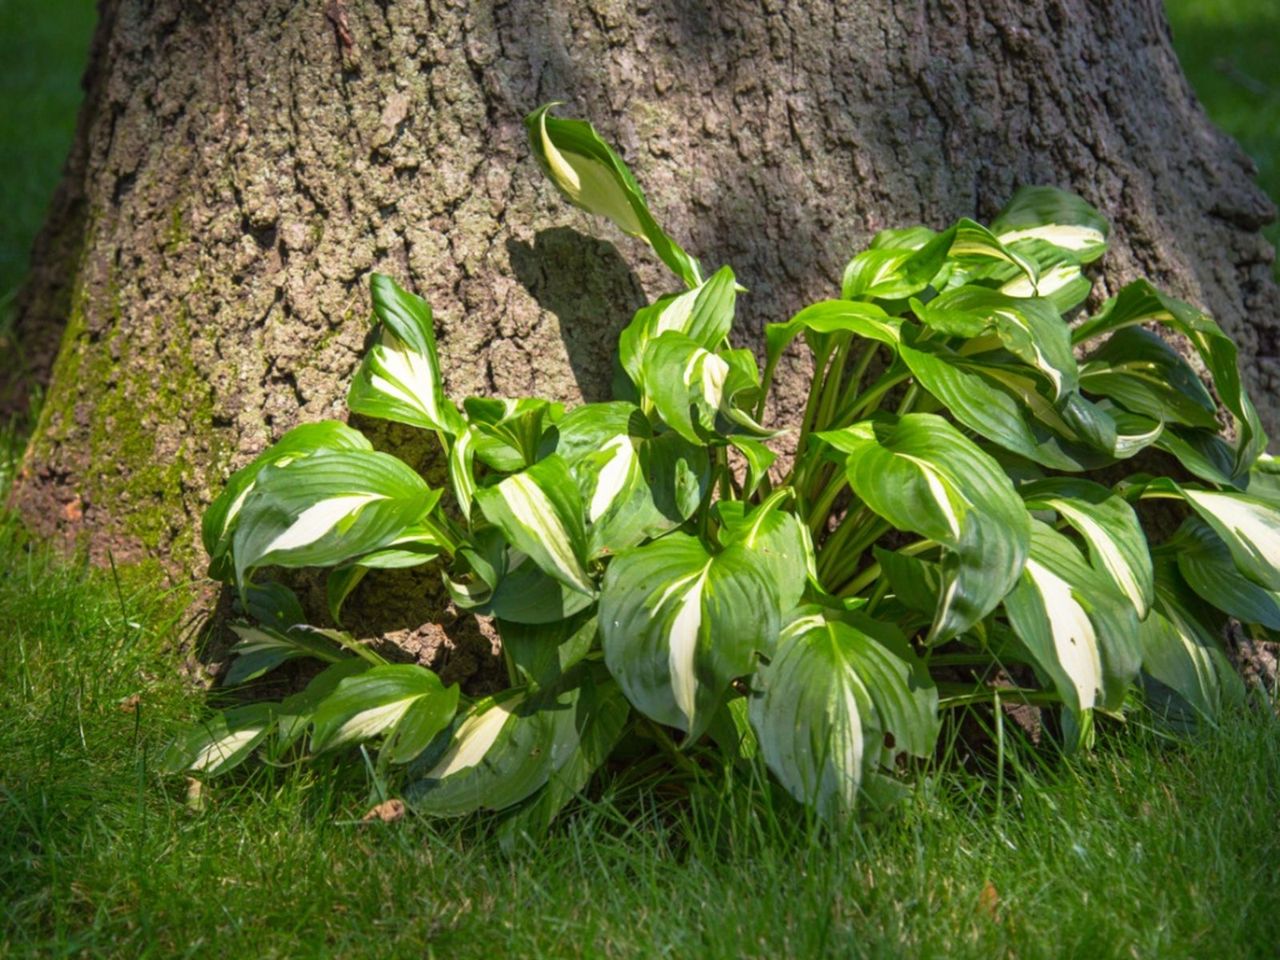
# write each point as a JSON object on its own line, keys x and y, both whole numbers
{"x": 650, "y": 567}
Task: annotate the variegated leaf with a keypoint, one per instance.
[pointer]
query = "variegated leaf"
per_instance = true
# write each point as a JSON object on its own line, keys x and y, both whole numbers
{"x": 375, "y": 701}
{"x": 921, "y": 474}
{"x": 679, "y": 624}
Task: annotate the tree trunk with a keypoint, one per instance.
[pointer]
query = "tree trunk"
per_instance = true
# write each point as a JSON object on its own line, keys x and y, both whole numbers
{"x": 241, "y": 168}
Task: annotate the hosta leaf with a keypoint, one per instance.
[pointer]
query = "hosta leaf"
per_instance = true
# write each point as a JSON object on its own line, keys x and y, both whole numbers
{"x": 1080, "y": 629}
{"x": 1117, "y": 543}
{"x": 542, "y": 653}
{"x": 639, "y": 487}
{"x": 327, "y": 508}
{"x": 826, "y": 701}
{"x": 261, "y": 649}
{"x": 503, "y": 750}
{"x": 1140, "y": 302}
{"x": 896, "y": 266}
{"x": 973, "y": 245}
{"x": 1054, "y": 217}
{"x": 1182, "y": 651}
{"x": 540, "y": 513}
{"x": 295, "y": 713}
{"x": 921, "y": 474}
{"x": 1250, "y": 527}
{"x": 509, "y": 435}
{"x": 273, "y": 605}
{"x": 1062, "y": 281}
{"x": 1144, "y": 374}
{"x": 222, "y": 742}
{"x": 759, "y": 459}
{"x": 399, "y": 378}
{"x": 694, "y": 390}
{"x": 777, "y": 539}
{"x": 1205, "y": 563}
{"x": 703, "y": 314}
{"x": 592, "y": 177}
{"x": 416, "y": 545}
{"x": 1203, "y": 453}
{"x": 376, "y": 701}
{"x": 462, "y": 478}
{"x": 916, "y": 583}
{"x": 219, "y": 521}
{"x": 1029, "y": 328}
{"x": 679, "y": 623}
{"x": 602, "y": 714}
{"x": 831, "y": 316}
{"x": 585, "y": 429}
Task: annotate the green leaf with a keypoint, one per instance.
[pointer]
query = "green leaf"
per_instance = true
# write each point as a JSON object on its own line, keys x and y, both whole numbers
{"x": 1079, "y": 628}
{"x": 542, "y": 653}
{"x": 703, "y": 314}
{"x": 899, "y": 264}
{"x": 220, "y": 519}
{"x": 695, "y": 391}
{"x": 602, "y": 714}
{"x": 1144, "y": 374}
{"x": 916, "y": 583}
{"x": 831, "y": 316}
{"x": 778, "y": 541}
{"x": 503, "y": 750}
{"x": 1117, "y": 543}
{"x": 539, "y": 511}
{"x": 590, "y": 175}
{"x": 374, "y": 702}
{"x": 399, "y": 378}
{"x": 921, "y": 474}
{"x": 1054, "y": 217}
{"x": 509, "y": 435}
{"x": 829, "y": 700}
{"x": 1140, "y": 302}
{"x": 1205, "y": 562}
{"x": 327, "y": 508}
{"x": 1182, "y": 651}
{"x": 1250, "y": 527}
{"x": 679, "y": 624}
{"x": 759, "y": 459}
{"x": 221, "y": 743}
{"x": 1029, "y": 328}
{"x": 262, "y": 649}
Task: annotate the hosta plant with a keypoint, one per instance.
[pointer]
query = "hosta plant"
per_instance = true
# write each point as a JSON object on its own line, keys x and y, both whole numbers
{"x": 937, "y": 535}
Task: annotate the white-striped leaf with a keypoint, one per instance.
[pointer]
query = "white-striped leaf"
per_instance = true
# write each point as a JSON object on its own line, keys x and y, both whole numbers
{"x": 540, "y": 512}
{"x": 222, "y": 742}
{"x": 219, "y": 521}
{"x": 399, "y": 378}
{"x": 1117, "y": 543}
{"x": 1205, "y": 563}
{"x": 1079, "y": 628}
{"x": 262, "y": 649}
{"x": 697, "y": 392}
{"x": 509, "y": 435}
{"x": 1029, "y": 328}
{"x": 590, "y": 175}
{"x": 1144, "y": 374}
{"x": 834, "y": 695}
{"x": 1140, "y": 302}
{"x": 1181, "y": 649}
{"x": 703, "y": 314}
{"x": 462, "y": 478}
{"x": 377, "y": 700}
{"x": 328, "y": 508}
{"x": 1248, "y": 525}
{"x": 503, "y": 750}
{"x": 1053, "y": 217}
{"x": 679, "y": 624}
{"x": 921, "y": 474}
{"x": 831, "y": 316}
{"x": 777, "y": 539}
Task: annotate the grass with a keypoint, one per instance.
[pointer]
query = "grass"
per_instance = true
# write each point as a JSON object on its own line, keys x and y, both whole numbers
{"x": 1146, "y": 848}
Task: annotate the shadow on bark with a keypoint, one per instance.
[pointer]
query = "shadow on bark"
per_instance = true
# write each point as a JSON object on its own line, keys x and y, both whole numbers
{"x": 591, "y": 291}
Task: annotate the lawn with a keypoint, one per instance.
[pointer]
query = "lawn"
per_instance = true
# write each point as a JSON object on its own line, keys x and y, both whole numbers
{"x": 1151, "y": 846}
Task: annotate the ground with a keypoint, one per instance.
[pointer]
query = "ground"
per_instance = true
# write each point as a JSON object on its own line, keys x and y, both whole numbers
{"x": 1152, "y": 846}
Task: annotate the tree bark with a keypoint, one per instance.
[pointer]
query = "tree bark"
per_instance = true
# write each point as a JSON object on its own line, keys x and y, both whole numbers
{"x": 241, "y": 168}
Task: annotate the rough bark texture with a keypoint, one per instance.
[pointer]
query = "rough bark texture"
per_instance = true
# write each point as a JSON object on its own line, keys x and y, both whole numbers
{"x": 240, "y": 169}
